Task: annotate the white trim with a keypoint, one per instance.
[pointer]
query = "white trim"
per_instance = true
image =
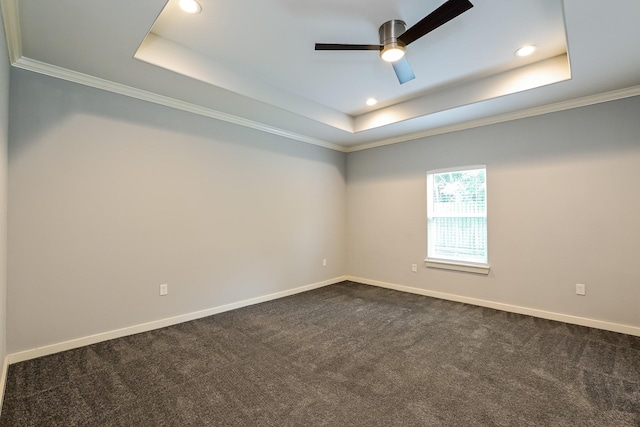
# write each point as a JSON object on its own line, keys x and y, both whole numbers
{"x": 157, "y": 324}
{"x": 566, "y": 318}
{"x": 3, "y": 380}
{"x": 12, "y": 28}
{"x": 457, "y": 169}
{"x": 507, "y": 117}
{"x": 109, "y": 86}
{"x": 12, "y": 31}
{"x": 457, "y": 266}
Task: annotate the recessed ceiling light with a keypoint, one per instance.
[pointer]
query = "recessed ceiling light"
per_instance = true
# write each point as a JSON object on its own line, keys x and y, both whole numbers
{"x": 371, "y": 102}
{"x": 526, "y": 50}
{"x": 190, "y": 6}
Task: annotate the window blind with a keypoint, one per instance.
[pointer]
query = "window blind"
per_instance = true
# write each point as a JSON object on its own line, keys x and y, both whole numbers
{"x": 457, "y": 215}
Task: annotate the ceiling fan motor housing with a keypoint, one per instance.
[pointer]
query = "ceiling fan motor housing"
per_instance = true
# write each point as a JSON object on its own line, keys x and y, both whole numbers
{"x": 390, "y": 31}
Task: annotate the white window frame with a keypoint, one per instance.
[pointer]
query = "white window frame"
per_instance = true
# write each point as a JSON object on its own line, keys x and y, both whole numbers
{"x": 446, "y": 264}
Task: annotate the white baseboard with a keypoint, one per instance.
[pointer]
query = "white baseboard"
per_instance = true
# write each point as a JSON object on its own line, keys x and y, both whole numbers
{"x": 575, "y": 320}
{"x": 157, "y": 324}
{"x": 3, "y": 380}
{"x": 135, "y": 329}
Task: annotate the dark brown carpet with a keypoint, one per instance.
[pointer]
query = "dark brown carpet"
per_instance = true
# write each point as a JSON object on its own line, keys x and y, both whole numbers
{"x": 343, "y": 355}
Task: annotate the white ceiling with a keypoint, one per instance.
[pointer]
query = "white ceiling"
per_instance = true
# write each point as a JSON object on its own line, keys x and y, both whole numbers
{"x": 254, "y": 63}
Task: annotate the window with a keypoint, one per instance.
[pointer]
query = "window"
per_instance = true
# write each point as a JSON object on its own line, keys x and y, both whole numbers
{"x": 457, "y": 219}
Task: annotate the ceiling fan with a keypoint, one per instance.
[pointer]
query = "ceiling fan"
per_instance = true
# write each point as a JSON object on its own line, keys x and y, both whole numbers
{"x": 394, "y": 37}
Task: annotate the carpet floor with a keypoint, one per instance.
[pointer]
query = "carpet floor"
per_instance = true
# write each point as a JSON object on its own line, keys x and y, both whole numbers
{"x": 343, "y": 355}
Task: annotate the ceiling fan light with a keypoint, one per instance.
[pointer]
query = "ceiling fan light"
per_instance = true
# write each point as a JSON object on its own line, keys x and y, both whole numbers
{"x": 392, "y": 53}
{"x": 190, "y": 6}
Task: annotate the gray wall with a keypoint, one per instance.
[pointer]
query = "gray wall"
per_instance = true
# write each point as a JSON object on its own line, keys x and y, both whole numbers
{"x": 4, "y": 129}
{"x": 109, "y": 197}
{"x": 563, "y": 206}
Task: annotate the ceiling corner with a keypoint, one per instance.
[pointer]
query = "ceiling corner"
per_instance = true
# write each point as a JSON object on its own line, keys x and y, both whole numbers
{"x": 11, "y": 17}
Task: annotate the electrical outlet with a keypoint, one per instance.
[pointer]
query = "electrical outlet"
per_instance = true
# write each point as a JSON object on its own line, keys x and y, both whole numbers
{"x": 414, "y": 268}
{"x": 581, "y": 289}
{"x": 164, "y": 289}
{"x": 324, "y": 262}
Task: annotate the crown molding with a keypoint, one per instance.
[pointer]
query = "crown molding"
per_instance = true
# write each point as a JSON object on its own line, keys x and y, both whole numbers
{"x": 11, "y": 17}
{"x": 98, "y": 83}
{"x": 12, "y": 28}
{"x": 10, "y": 13}
{"x": 507, "y": 117}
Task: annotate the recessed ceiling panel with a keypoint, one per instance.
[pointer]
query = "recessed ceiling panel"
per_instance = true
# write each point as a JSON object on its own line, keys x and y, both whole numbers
{"x": 265, "y": 50}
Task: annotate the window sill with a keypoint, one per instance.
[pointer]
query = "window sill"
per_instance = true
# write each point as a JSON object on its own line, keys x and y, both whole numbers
{"x": 457, "y": 266}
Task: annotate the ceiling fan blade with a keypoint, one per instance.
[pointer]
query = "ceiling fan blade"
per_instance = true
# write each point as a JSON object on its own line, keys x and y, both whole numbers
{"x": 403, "y": 70}
{"x": 438, "y": 17}
{"x": 330, "y": 46}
